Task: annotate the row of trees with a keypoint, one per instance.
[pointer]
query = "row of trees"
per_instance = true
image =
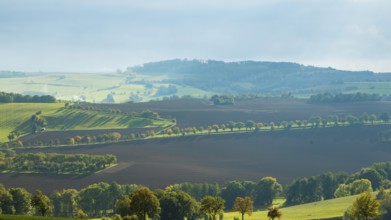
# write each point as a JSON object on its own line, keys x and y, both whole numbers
{"x": 341, "y": 98}
{"x": 20, "y": 202}
{"x": 109, "y": 137}
{"x": 135, "y": 202}
{"x": 262, "y": 192}
{"x": 175, "y": 204}
{"x": 194, "y": 200}
{"x": 332, "y": 185}
{"x": 18, "y": 98}
{"x": 55, "y": 162}
{"x": 94, "y": 200}
{"x": 313, "y": 121}
{"x": 83, "y": 139}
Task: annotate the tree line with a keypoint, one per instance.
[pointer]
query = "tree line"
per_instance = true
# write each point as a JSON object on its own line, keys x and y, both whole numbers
{"x": 312, "y": 122}
{"x": 54, "y": 162}
{"x": 203, "y": 200}
{"x": 82, "y": 139}
{"x": 333, "y": 185}
{"x": 126, "y": 201}
{"x": 18, "y": 98}
{"x": 343, "y": 98}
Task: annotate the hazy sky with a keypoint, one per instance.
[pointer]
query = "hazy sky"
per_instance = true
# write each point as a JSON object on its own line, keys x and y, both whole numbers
{"x": 99, "y": 35}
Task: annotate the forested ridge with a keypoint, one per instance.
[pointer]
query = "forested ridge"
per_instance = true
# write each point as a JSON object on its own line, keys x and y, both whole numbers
{"x": 250, "y": 76}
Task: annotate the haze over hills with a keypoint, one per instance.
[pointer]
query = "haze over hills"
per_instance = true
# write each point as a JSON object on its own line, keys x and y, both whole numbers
{"x": 252, "y": 76}
{"x": 197, "y": 78}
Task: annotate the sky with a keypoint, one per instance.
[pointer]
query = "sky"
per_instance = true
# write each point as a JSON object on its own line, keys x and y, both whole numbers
{"x": 101, "y": 35}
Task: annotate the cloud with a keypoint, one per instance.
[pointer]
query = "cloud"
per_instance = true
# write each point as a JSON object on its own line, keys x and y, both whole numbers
{"x": 95, "y": 34}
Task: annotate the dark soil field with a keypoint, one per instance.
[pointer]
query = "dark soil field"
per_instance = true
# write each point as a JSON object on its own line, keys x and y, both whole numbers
{"x": 197, "y": 112}
{"x": 217, "y": 158}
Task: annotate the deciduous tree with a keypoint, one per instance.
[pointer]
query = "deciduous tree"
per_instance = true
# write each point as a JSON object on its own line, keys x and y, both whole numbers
{"x": 177, "y": 205}
{"x": 41, "y": 203}
{"x": 21, "y": 200}
{"x": 243, "y": 205}
{"x": 365, "y": 206}
{"x": 144, "y": 203}
{"x": 266, "y": 190}
{"x": 231, "y": 191}
{"x": 231, "y": 125}
{"x": 239, "y": 125}
{"x": 212, "y": 206}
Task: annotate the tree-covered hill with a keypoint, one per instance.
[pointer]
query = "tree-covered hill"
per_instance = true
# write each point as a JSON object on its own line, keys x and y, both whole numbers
{"x": 251, "y": 76}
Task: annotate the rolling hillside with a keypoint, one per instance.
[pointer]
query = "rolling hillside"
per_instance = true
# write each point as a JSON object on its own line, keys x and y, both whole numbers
{"x": 16, "y": 117}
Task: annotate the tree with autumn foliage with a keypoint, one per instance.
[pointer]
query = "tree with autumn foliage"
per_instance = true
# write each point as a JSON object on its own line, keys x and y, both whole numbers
{"x": 243, "y": 206}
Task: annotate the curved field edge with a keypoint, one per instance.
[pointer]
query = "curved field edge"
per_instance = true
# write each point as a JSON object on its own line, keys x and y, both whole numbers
{"x": 158, "y": 163}
{"x": 16, "y": 117}
{"x": 325, "y": 209}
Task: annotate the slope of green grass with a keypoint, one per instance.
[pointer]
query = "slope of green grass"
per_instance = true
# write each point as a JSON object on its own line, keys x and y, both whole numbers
{"x": 13, "y": 115}
{"x": 316, "y": 210}
{"x": 16, "y": 117}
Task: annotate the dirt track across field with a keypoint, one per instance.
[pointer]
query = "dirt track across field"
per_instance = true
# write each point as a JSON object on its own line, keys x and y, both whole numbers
{"x": 217, "y": 158}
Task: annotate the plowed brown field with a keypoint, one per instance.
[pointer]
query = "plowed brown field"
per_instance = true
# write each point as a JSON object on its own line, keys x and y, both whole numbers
{"x": 196, "y": 112}
{"x": 218, "y": 158}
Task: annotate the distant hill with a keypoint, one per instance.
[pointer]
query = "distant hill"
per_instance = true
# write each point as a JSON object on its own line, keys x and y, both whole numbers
{"x": 252, "y": 76}
{"x": 196, "y": 78}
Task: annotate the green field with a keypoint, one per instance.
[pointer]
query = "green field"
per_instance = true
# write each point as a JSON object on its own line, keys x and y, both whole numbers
{"x": 316, "y": 210}
{"x": 94, "y": 87}
{"x": 16, "y": 117}
{"x": 13, "y": 115}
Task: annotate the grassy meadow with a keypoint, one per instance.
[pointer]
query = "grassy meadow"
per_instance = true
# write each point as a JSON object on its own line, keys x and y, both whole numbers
{"x": 94, "y": 87}
{"x": 14, "y": 115}
{"x": 316, "y": 210}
